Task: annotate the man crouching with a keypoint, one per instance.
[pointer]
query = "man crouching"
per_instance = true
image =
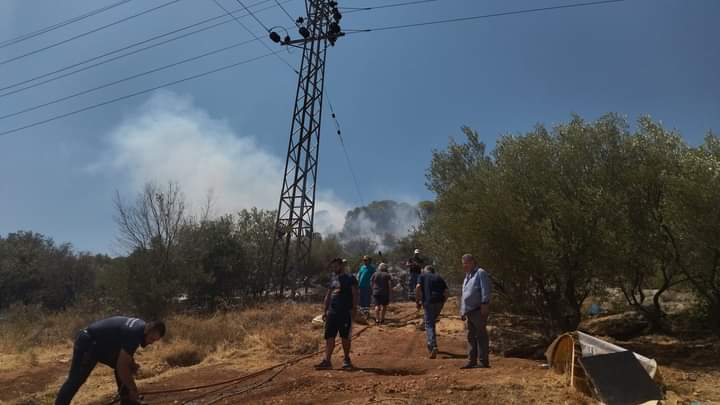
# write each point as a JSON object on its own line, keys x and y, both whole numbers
{"x": 113, "y": 342}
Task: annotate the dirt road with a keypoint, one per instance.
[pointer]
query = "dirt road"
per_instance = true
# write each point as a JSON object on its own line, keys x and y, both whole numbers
{"x": 392, "y": 367}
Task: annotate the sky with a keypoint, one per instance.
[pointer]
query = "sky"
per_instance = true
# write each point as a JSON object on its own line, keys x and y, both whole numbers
{"x": 398, "y": 95}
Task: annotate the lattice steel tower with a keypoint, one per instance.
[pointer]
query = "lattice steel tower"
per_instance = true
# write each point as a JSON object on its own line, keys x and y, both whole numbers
{"x": 296, "y": 210}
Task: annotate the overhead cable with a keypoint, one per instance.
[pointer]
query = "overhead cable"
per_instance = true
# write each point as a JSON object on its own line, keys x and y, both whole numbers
{"x": 123, "y": 55}
{"x": 127, "y": 96}
{"x": 86, "y": 33}
{"x": 477, "y": 17}
{"x": 61, "y": 24}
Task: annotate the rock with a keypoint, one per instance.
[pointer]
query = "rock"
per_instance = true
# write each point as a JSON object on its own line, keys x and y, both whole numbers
{"x": 619, "y": 326}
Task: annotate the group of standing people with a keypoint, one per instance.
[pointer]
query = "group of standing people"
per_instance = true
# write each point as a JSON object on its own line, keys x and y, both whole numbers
{"x": 113, "y": 341}
{"x": 429, "y": 291}
{"x": 374, "y": 288}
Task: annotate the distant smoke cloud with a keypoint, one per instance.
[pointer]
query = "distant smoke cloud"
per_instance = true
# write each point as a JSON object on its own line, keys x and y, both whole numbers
{"x": 170, "y": 139}
{"x": 382, "y": 222}
{"x": 330, "y": 213}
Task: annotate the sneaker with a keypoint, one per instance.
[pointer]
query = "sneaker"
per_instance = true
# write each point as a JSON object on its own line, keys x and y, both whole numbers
{"x": 483, "y": 365}
{"x": 347, "y": 364}
{"x": 433, "y": 353}
{"x": 469, "y": 365}
{"x": 323, "y": 365}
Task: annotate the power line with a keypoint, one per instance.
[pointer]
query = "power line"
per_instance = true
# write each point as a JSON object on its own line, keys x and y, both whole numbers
{"x": 61, "y": 24}
{"x": 68, "y": 67}
{"x": 138, "y": 93}
{"x": 135, "y": 76}
{"x": 217, "y": 2}
{"x": 253, "y": 16}
{"x": 347, "y": 156}
{"x": 349, "y": 10}
{"x": 86, "y": 33}
{"x": 285, "y": 11}
{"x": 477, "y": 17}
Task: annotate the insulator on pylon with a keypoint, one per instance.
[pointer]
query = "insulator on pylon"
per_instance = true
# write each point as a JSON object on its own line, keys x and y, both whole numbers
{"x": 334, "y": 28}
{"x": 275, "y": 37}
{"x": 336, "y": 15}
{"x": 304, "y": 32}
{"x": 287, "y": 39}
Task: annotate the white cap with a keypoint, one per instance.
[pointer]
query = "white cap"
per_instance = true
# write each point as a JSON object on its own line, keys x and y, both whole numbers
{"x": 417, "y": 251}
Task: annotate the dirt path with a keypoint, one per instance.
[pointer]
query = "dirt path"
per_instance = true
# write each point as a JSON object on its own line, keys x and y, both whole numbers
{"x": 391, "y": 367}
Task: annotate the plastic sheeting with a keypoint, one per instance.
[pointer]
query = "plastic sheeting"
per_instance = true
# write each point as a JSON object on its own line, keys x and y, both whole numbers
{"x": 592, "y": 346}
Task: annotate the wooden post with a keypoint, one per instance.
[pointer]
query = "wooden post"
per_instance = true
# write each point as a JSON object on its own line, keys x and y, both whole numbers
{"x": 572, "y": 363}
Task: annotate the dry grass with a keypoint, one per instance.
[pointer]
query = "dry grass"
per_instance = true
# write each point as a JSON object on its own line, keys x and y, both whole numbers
{"x": 284, "y": 328}
{"x": 182, "y": 353}
{"x": 31, "y": 340}
{"x": 28, "y": 327}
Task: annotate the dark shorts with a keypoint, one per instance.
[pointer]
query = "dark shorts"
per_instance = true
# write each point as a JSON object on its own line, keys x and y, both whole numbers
{"x": 382, "y": 299}
{"x": 338, "y": 324}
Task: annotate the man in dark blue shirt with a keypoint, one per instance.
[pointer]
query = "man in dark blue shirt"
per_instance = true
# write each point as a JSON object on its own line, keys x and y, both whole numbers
{"x": 113, "y": 342}
{"x": 339, "y": 310}
{"x": 431, "y": 293}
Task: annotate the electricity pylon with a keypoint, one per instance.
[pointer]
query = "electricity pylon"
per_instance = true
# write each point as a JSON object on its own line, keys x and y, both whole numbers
{"x": 296, "y": 210}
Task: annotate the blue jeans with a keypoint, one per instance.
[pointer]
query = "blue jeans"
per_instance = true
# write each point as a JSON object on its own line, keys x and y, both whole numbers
{"x": 364, "y": 297}
{"x": 432, "y": 312}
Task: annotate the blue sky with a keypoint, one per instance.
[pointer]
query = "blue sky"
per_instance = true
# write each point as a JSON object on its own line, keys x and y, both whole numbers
{"x": 398, "y": 95}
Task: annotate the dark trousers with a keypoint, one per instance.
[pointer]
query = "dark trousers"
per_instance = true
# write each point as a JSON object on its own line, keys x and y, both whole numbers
{"x": 412, "y": 282}
{"x": 477, "y": 337}
{"x": 82, "y": 365}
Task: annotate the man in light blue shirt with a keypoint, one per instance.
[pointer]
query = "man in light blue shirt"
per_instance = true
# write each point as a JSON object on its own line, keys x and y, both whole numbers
{"x": 475, "y": 308}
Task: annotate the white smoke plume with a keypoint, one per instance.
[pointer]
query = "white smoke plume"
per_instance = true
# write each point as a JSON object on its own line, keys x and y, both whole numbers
{"x": 170, "y": 139}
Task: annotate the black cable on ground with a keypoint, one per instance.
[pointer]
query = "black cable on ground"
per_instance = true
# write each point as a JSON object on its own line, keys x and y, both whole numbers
{"x": 284, "y": 365}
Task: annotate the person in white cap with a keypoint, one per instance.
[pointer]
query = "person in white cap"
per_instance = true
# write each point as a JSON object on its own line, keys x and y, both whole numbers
{"x": 415, "y": 265}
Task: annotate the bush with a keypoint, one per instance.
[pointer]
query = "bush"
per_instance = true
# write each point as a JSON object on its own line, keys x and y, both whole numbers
{"x": 182, "y": 353}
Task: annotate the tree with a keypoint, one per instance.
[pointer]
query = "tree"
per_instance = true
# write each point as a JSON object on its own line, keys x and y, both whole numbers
{"x": 213, "y": 261}
{"x": 255, "y": 228}
{"x": 150, "y": 228}
{"x": 694, "y": 226}
{"x": 538, "y": 212}
{"x": 642, "y": 256}
{"x": 33, "y": 270}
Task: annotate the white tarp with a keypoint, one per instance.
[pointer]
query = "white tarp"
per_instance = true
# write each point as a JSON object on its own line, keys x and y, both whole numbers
{"x": 592, "y": 346}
